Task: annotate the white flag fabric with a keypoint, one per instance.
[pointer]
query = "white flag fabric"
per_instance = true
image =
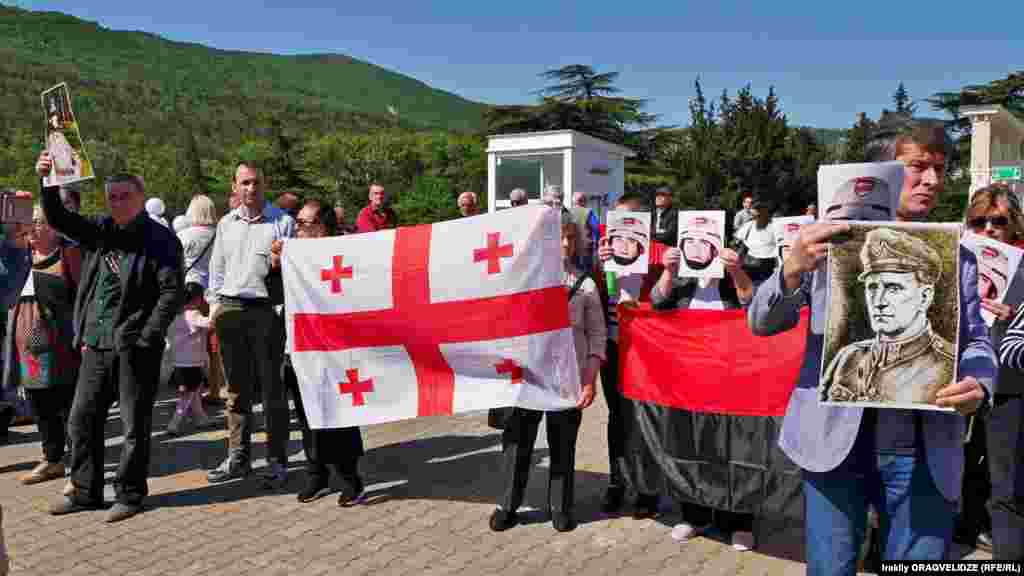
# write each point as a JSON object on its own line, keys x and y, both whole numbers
{"x": 431, "y": 320}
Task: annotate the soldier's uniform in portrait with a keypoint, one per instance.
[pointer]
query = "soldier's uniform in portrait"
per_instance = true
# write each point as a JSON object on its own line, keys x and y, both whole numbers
{"x": 906, "y": 370}
{"x": 893, "y": 371}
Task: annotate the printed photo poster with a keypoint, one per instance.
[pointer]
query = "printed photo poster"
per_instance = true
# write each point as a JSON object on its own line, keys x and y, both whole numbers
{"x": 893, "y": 315}
{"x": 628, "y": 233}
{"x": 786, "y": 230}
{"x": 63, "y": 140}
{"x": 997, "y": 268}
{"x": 869, "y": 191}
{"x": 700, "y": 240}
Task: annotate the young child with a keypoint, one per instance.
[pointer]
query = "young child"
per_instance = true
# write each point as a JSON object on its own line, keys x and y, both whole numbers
{"x": 189, "y": 331}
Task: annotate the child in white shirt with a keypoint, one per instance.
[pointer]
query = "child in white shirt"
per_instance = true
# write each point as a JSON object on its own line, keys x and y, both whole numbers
{"x": 189, "y": 331}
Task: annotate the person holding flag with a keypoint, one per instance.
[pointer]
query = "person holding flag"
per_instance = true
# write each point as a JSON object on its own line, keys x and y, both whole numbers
{"x": 520, "y": 432}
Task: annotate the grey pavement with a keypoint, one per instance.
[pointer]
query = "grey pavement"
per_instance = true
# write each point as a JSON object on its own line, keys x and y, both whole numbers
{"x": 433, "y": 483}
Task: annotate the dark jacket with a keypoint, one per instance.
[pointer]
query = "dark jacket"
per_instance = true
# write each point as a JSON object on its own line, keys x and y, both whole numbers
{"x": 669, "y": 226}
{"x": 152, "y": 275}
{"x": 682, "y": 292}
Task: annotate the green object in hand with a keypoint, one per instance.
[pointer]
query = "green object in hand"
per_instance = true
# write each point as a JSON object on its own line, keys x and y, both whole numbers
{"x": 612, "y": 279}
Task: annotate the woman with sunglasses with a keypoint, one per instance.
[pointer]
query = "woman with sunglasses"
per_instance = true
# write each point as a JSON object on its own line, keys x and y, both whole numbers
{"x": 993, "y": 449}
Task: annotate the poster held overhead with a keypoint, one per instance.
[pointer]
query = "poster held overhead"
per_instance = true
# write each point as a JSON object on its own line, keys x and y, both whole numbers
{"x": 63, "y": 140}
{"x": 869, "y": 191}
{"x": 893, "y": 315}
{"x": 997, "y": 267}
{"x": 700, "y": 241}
{"x": 628, "y": 234}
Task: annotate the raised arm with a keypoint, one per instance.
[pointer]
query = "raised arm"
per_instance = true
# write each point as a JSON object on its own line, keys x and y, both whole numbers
{"x": 75, "y": 226}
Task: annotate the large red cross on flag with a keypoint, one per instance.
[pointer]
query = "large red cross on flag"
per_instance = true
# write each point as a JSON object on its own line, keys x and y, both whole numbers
{"x": 444, "y": 318}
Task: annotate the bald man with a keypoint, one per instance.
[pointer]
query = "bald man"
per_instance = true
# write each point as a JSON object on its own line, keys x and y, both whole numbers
{"x": 467, "y": 203}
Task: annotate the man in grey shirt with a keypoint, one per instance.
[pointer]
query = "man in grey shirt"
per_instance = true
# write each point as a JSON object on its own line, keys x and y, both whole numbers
{"x": 242, "y": 269}
{"x": 746, "y": 214}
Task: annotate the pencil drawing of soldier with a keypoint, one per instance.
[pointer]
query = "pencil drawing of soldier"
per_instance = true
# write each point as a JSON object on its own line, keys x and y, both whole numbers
{"x": 906, "y": 361}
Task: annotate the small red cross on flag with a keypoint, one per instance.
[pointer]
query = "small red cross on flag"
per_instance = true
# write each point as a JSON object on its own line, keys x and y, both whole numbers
{"x": 492, "y": 253}
{"x": 510, "y": 367}
{"x": 336, "y": 274}
{"x": 355, "y": 387}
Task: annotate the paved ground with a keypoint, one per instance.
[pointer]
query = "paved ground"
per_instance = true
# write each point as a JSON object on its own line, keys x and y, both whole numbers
{"x": 433, "y": 484}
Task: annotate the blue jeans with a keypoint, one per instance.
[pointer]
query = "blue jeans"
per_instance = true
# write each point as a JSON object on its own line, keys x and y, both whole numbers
{"x": 916, "y": 521}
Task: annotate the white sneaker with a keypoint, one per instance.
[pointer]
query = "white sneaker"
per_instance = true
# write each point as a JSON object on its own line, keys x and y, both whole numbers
{"x": 684, "y": 532}
{"x": 743, "y": 541}
{"x": 174, "y": 426}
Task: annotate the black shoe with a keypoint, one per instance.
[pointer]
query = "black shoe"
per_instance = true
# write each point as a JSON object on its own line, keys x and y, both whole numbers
{"x": 563, "y": 521}
{"x": 352, "y": 493}
{"x": 315, "y": 489}
{"x": 502, "y": 520}
{"x": 984, "y": 542}
{"x": 67, "y": 505}
{"x": 646, "y": 506}
{"x": 612, "y": 499}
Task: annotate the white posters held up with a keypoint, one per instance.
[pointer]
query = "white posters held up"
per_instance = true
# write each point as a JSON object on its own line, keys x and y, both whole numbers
{"x": 786, "y": 230}
{"x": 997, "y": 267}
{"x": 700, "y": 240}
{"x": 628, "y": 233}
{"x": 63, "y": 141}
{"x": 869, "y": 191}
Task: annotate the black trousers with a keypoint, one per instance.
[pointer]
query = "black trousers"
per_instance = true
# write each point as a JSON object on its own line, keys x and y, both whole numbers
{"x": 52, "y": 407}
{"x": 131, "y": 376}
{"x": 325, "y": 449}
{"x": 517, "y": 441}
{"x": 620, "y": 416}
{"x": 974, "y": 515}
{"x": 1006, "y": 466}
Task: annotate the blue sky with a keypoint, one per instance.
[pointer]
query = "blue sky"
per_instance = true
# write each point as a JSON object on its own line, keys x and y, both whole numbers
{"x": 827, "y": 60}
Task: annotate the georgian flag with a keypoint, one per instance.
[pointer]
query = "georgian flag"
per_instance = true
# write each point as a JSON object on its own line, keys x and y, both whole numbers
{"x": 431, "y": 320}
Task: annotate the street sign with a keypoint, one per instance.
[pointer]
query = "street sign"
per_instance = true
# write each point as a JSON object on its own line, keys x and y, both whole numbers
{"x": 1006, "y": 173}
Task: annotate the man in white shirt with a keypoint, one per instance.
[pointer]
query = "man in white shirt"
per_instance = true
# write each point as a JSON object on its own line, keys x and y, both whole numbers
{"x": 251, "y": 335}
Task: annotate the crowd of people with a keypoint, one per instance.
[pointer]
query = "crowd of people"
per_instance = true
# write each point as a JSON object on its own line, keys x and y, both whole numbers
{"x": 91, "y": 300}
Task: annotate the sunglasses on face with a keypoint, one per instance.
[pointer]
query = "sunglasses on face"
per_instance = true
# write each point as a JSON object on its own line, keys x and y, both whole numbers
{"x": 995, "y": 221}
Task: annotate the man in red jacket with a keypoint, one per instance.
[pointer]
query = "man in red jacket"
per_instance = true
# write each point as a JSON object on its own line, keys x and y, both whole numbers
{"x": 376, "y": 215}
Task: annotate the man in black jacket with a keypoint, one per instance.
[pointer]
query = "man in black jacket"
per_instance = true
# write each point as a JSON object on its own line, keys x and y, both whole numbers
{"x": 665, "y": 220}
{"x": 130, "y": 291}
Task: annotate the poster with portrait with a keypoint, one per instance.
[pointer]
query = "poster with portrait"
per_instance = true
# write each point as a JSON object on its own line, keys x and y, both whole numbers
{"x": 700, "y": 241}
{"x": 786, "y": 229}
{"x": 63, "y": 140}
{"x": 997, "y": 268}
{"x": 869, "y": 191}
{"x": 893, "y": 315}
{"x": 628, "y": 234}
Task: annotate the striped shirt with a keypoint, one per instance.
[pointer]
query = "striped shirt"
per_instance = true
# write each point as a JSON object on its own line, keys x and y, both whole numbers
{"x": 1011, "y": 348}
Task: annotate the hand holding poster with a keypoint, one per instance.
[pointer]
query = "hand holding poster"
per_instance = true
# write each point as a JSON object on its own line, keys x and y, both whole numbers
{"x": 997, "y": 267}
{"x": 868, "y": 191}
{"x": 786, "y": 230}
{"x": 629, "y": 238}
{"x": 63, "y": 141}
{"x": 893, "y": 315}
{"x": 700, "y": 240}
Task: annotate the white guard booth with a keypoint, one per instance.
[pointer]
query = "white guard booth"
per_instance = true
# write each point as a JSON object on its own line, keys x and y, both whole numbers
{"x": 565, "y": 158}
{"x": 997, "y": 147}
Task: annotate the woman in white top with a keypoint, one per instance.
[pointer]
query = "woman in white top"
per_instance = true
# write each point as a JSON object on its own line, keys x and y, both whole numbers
{"x": 758, "y": 252}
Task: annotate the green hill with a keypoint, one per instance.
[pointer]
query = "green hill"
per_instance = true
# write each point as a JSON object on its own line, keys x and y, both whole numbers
{"x": 194, "y": 76}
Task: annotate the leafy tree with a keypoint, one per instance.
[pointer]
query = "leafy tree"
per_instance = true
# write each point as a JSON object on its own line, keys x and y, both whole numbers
{"x": 1007, "y": 92}
{"x": 581, "y": 99}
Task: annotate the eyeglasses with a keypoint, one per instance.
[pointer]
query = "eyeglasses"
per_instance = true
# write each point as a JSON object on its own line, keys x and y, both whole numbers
{"x": 995, "y": 221}
{"x": 306, "y": 223}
